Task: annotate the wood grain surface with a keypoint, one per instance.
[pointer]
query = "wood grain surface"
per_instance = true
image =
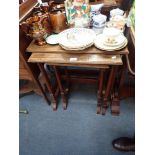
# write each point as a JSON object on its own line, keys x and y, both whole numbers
{"x": 75, "y": 59}
{"x": 57, "y": 49}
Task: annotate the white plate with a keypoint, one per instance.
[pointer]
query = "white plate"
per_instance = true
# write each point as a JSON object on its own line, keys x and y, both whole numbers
{"x": 118, "y": 41}
{"x": 76, "y": 49}
{"x": 52, "y": 39}
{"x": 99, "y": 44}
{"x": 75, "y": 38}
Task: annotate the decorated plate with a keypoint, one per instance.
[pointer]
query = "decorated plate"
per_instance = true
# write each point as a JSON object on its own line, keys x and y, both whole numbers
{"x": 118, "y": 41}
{"x": 76, "y": 49}
{"x": 77, "y": 38}
{"x": 100, "y": 45}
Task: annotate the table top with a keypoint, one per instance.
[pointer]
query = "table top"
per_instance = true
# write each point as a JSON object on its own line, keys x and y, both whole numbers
{"x": 90, "y": 57}
{"x": 81, "y": 60}
{"x": 33, "y": 48}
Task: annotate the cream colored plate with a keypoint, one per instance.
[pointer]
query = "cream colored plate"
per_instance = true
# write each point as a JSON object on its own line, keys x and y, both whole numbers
{"x": 76, "y": 38}
{"x": 119, "y": 41}
{"x": 99, "y": 44}
{"x": 76, "y": 49}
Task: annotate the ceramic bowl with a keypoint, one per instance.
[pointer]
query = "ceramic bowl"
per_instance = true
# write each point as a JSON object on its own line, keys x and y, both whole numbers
{"x": 116, "y": 11}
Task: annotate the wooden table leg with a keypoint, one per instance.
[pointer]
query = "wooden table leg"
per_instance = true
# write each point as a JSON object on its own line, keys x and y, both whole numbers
{"x": 109, "y": 87}
{"x": 115, "y": 103}
{"x": 62, "y": 91}
{"x": 99, "y": 92}
{"x": 48, "y": 84}
{"x": 115, "y": 97}
{"x": 67, "y": 80}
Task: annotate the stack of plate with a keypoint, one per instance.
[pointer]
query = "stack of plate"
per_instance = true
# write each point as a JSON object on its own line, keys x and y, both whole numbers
{"x": 76, "y": 38}
{"x": 103, "y": 43}
{"x": 111, "y": 39}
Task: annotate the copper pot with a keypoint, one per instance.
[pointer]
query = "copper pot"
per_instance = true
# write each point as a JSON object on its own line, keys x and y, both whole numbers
{"x": 58, "y": 21}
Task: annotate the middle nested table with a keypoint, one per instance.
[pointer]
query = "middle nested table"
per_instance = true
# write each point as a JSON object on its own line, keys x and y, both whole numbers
{"x": 91, "y": 57}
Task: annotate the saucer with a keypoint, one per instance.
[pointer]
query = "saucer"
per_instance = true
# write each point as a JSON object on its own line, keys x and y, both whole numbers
{"x": 52, "y": 39}
{"x": 118, "y": 41}
{"x": 100, "y": 45}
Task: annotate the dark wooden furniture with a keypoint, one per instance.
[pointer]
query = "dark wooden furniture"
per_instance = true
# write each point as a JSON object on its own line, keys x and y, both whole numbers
{"x": 55, "y": 56}
{"x": 124, "y": 87}
{"x": 91, "y": 57}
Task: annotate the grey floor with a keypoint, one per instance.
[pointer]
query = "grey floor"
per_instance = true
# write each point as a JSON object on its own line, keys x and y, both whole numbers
{"x": 76, "y": 131}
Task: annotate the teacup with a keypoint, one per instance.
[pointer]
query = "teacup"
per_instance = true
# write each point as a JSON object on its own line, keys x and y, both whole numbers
{"x": 111, "y": 34}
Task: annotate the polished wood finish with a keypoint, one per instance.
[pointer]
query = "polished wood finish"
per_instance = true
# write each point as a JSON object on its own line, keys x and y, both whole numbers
{"x": 49, "y": 86}
{"x": 79, "y": 59}
{"x": 115, "y": 102}
{"x": 92, "y": 57}
{"x": 33, "y": 48}
{"x": 91, "y": 60}
{"x": 109, "y": 87}
{"x": 62, "y": 91}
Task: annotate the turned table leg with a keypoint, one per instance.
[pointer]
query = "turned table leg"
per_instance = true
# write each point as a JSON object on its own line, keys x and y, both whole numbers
{"x": 67, "y": 80}
{"x": 63, "y": 94}
{"x": 115, "y": 97}
{"x": 49, "y": 87}
{"x": 115, "y": 103}
{"x": 109, "y": 87}
{"x": 99, "y": 92}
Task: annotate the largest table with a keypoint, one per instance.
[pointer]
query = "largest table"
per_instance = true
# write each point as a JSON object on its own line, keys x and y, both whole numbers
{"x": 91, "y": 57}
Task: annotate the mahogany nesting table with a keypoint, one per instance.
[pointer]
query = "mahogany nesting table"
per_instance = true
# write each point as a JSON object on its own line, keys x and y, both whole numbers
{"x": 91, "y": 57}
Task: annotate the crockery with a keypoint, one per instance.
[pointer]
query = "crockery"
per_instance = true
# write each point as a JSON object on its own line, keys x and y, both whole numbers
{"x": 116, "y": 11}
{"x": 99, "y": 20}
{"x": 76, "y": 49}
{"x": 100, "y": 45}
{"x": 76, "y": 38}
{"x": 52, "y": 39}
{"x": 118, "y": 41}
{"x": 111, "y": 32}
